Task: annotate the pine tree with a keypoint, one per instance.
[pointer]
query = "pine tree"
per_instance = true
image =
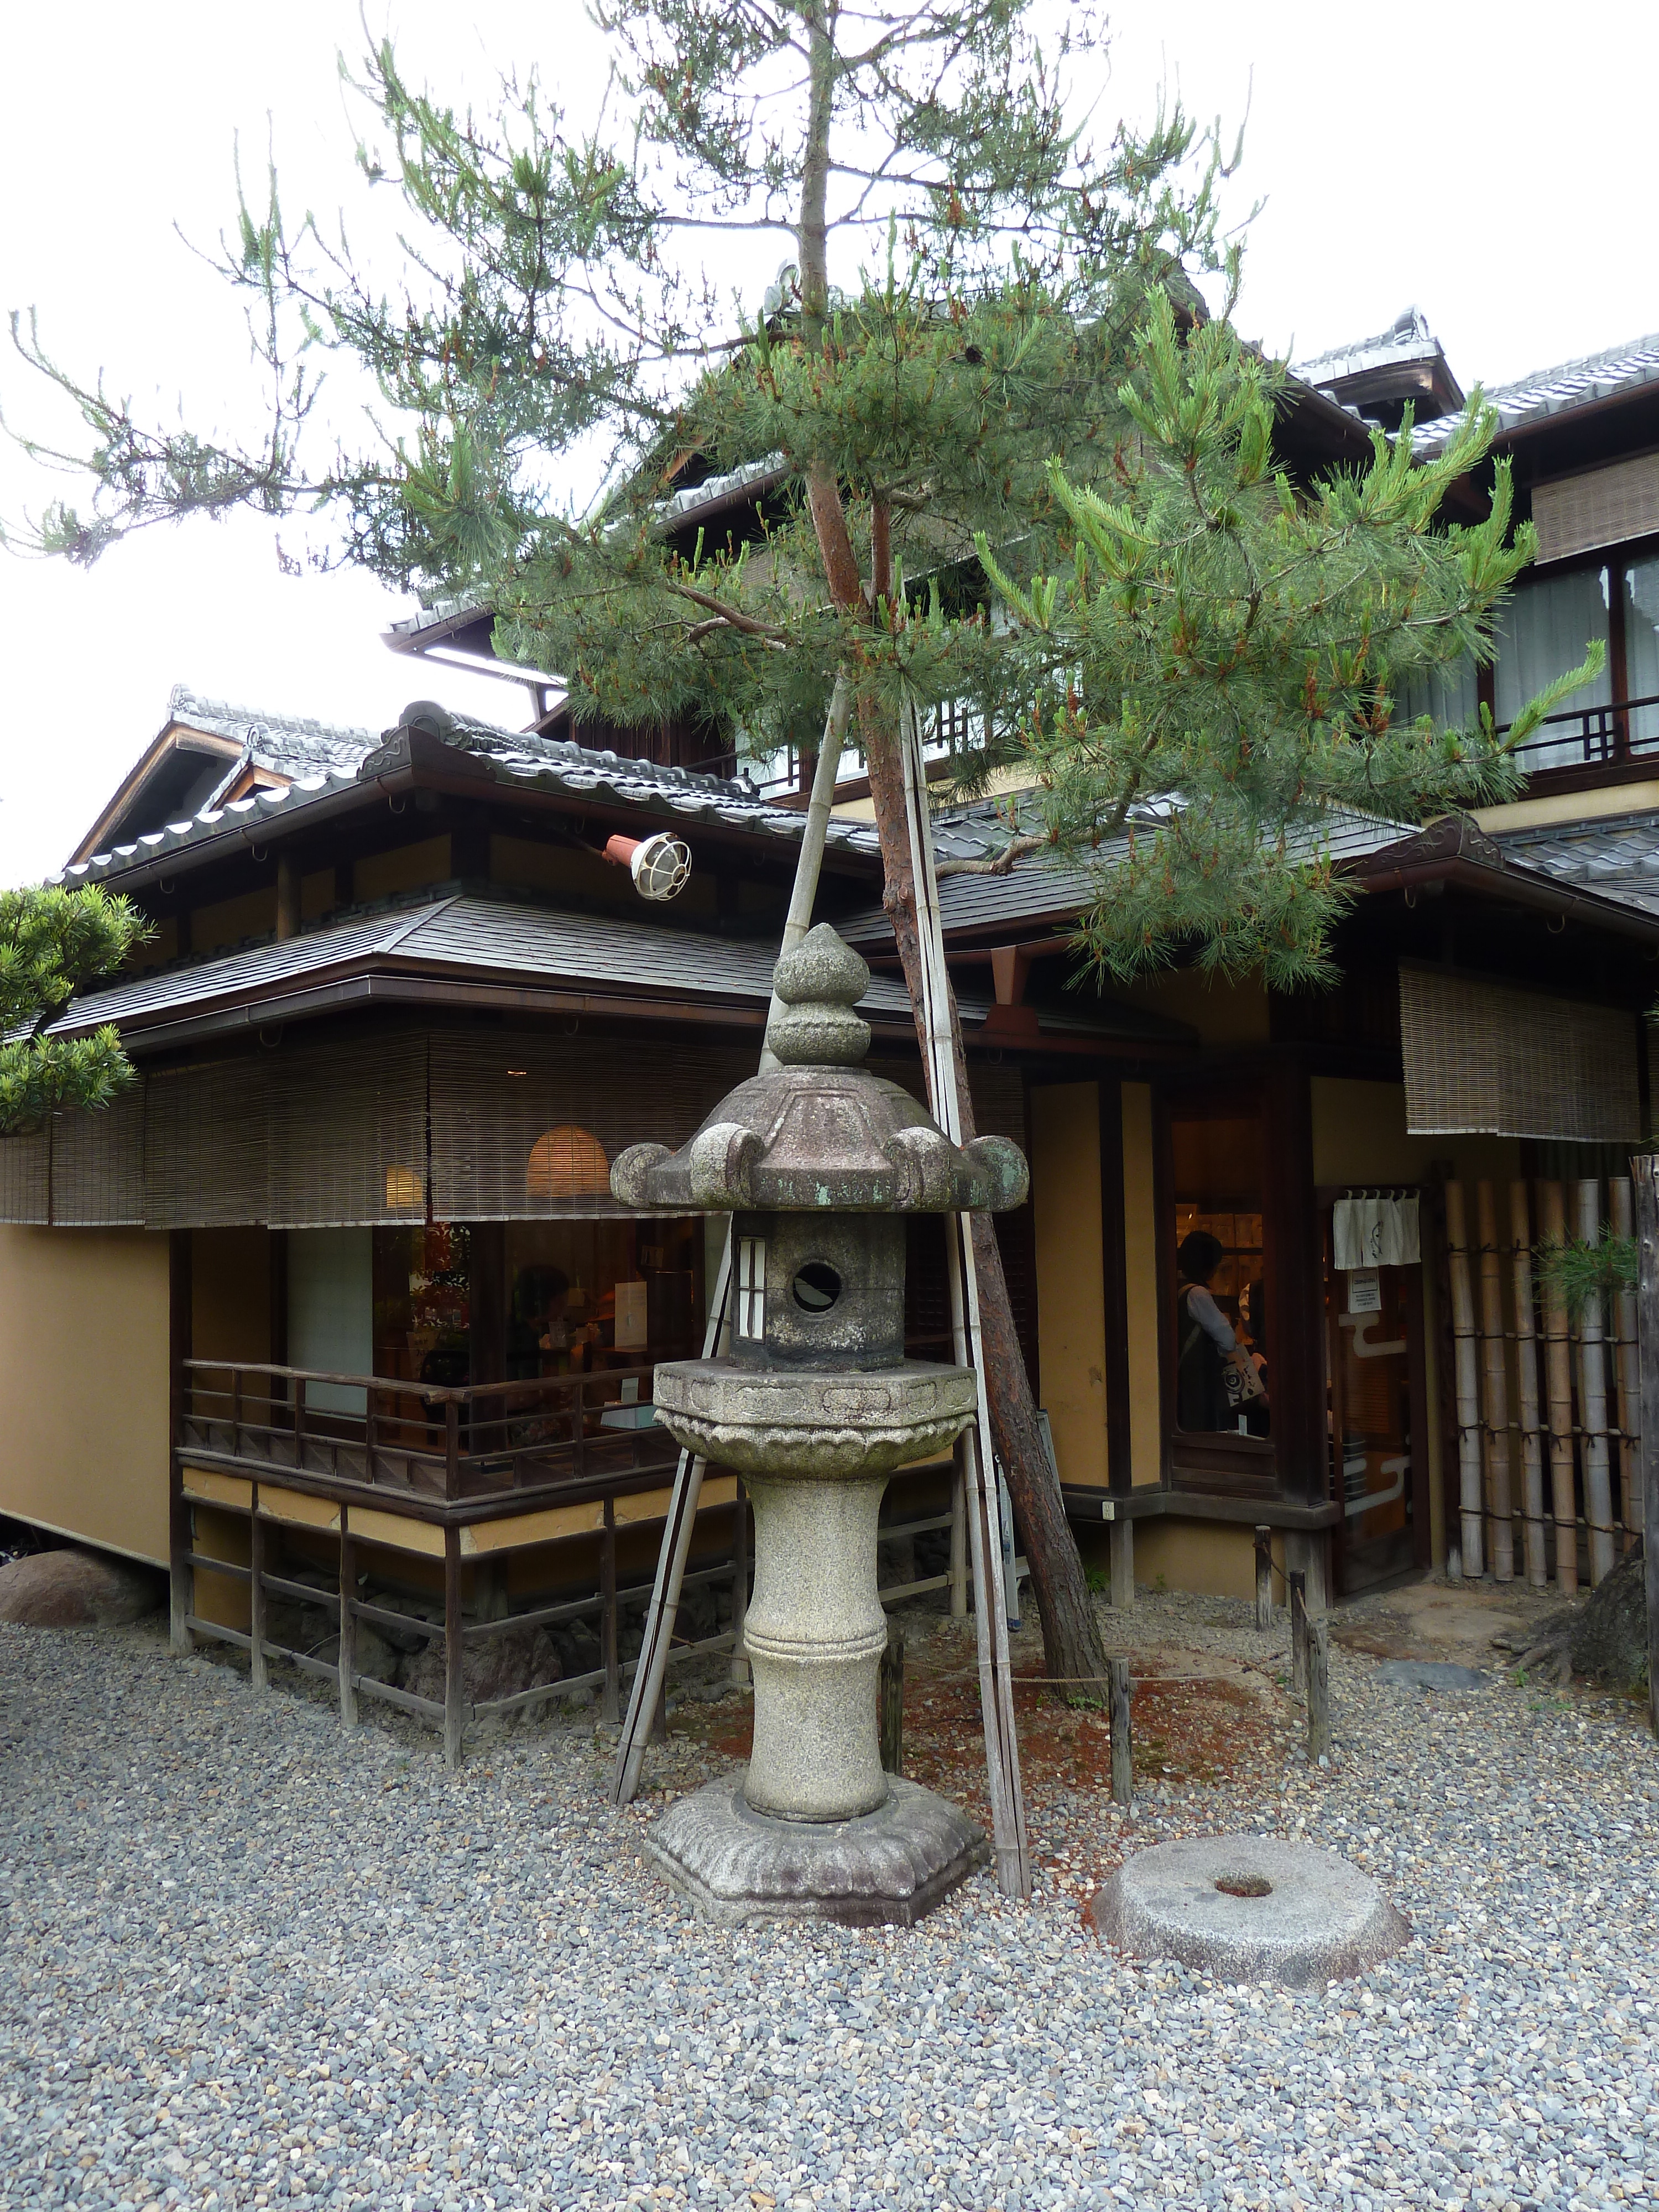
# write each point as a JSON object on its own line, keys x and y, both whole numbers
{"x": 52, "y": 943}
{"x": 1020, "y": 384}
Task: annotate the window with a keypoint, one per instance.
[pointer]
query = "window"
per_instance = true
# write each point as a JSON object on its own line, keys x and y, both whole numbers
{"x": 1221, "y": 1321}
{"x": 1642, "y": 648}
{"x": 1545, "y": 631}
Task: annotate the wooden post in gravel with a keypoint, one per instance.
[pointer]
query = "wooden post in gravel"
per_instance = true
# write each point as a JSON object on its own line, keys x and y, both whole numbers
{"x": 260, "y": 1670}
{"x": 1495, "y": 1388}
{"x": 1298, "y": 1589}
{"x": 347, "y": 1622}
{"x": 1593, "y": 1401}
{"x": 1526, "y": 1372}
{"x": 1471, "y": 1522}
{"x": 1319, "y": 1691}
{"x": 609, "y": 1656}
{"x": 1558, "y": 1371}
{"x": 1645, "y": 1169}
{"x": 1628, "y": 1375}
{"x": 1264, "y": 1579}
{"x": 1123, "y": 1761}
{"x": 454, "y": 1652}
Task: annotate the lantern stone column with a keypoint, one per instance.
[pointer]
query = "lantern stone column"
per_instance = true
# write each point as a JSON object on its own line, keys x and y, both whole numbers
{"x": 816, "y": 1407}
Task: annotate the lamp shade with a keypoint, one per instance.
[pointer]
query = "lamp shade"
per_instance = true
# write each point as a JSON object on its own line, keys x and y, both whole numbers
{"x": 567, "y": 1161}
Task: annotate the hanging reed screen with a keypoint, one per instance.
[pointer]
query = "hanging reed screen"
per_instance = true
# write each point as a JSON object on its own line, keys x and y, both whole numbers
{"x": 526, "y": 1127}
{"x": 346, "y": 1133}
{"x": 1496, "y": 1058}
{"x": 25, "y": 1185}
{"x": 205, "y": 1144}
{"x": 98, "y": 1165}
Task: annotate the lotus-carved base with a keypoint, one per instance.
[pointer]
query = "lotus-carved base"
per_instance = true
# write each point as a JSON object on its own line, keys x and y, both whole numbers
{"x": 819, "y": 1424}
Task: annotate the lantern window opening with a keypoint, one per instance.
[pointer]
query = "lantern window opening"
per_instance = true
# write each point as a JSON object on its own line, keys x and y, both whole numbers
{"x": 752, "y": 1286}
{"x": 816, "y": 1287}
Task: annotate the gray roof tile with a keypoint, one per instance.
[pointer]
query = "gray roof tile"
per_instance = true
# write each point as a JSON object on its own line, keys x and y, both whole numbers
{"x": 1559, "y": 391}
{"x": 1618, "y": 857}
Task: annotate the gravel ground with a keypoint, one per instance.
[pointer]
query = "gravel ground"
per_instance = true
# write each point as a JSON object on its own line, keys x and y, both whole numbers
{"x": 252, "y": 1960}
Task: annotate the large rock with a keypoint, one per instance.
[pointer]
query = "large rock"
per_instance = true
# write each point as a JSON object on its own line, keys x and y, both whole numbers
{"x": 493, "y": 1666}
{"x": 78, "y": 1589}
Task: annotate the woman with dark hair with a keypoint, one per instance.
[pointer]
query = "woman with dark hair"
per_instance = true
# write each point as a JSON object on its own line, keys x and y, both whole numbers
{"x": 1208, "y": 1346}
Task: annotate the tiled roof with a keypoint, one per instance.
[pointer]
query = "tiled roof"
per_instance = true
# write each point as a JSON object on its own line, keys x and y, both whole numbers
{"x": 1552, "y": 392}
{"x": 1618, "y": 857}
{"x": 483, "y": 939}
{"x": 1038, "y": 890}
{"x": 324, "y": 762}
{"x": 1407, "y": 338}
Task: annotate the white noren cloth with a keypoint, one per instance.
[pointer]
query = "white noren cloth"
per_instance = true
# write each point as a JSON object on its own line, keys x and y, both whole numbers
{"x": 1376, "y": 1232}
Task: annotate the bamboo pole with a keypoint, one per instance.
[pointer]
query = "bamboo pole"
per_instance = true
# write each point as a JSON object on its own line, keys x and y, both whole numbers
{"x": 1629, "y": 1370}
{"x": 1593, "y": 1400}
{"x": 1495, "y": 1389}
{"x": 1535, "y": 1546}
{"x": 1008, "y": 1839}
{"x": 1558, "y": 1371}
{"x": 1469, "y": 1499}
{"x": 1646, "y": 1169}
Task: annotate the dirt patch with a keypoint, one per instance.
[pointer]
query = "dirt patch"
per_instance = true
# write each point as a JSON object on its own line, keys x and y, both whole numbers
{"x": 1191, "y": 1723}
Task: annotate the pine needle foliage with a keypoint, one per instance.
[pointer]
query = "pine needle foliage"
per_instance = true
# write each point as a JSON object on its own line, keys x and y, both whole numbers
{"x": 53, "y": 942}
{"x": 1585, "y": 1273}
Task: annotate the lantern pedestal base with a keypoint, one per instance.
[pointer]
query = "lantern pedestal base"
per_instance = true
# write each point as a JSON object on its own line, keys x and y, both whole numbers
{"x": 886, "y": 1869}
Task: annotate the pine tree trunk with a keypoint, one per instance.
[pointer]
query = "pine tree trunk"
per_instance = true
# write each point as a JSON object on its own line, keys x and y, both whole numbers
{"x": 1071, "y": 1635}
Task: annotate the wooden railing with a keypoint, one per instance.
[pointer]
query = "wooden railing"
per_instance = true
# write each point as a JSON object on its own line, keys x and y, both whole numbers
{"x": 439, "y": 1444}
{"x": 1601, "y": 736}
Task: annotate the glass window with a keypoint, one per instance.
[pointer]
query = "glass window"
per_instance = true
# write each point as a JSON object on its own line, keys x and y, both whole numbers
{"x": 583, "y": 1296}
{"x": 1221, "y": 1319}
{"x": 1642, "y": 648}
{"x": 1447, "y": 693}
{"x": 423, "y": 1304}
{"x": 1542, "y": 632}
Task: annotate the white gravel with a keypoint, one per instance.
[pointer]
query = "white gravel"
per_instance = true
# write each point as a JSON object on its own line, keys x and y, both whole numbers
{"x": 251, "y": 1961}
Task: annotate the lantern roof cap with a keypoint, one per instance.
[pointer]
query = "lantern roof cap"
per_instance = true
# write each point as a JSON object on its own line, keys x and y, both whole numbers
{"x": 819, "y": 1132}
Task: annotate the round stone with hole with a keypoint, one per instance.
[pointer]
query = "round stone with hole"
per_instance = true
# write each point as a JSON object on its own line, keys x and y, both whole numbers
{"x": 1249, "y": 1909}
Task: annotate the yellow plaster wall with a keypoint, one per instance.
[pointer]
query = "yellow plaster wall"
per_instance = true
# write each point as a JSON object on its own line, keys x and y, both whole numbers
{"x": 83, "y": 1384}
{"x": 1140, "y": 1272}
{"x": 1222, "y": 1013}
{"x": 1215, "y": 1559}
{"x": 531, "y": 866}
{"x": 1570, "y": 807}
{"x": 316, "y": 894}
{"x": 252, "y": 915}
{"x": 230, "y": 1295}
{"x": 405, "y": 868}
{"x": 1071, "y": 1293}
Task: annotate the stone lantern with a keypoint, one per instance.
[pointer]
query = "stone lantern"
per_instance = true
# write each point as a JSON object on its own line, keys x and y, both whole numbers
{"x": 815, "y": 1404}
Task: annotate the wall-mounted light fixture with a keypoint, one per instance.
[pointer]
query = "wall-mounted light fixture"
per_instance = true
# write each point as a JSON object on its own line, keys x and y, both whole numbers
{"x": 659, "y": 865}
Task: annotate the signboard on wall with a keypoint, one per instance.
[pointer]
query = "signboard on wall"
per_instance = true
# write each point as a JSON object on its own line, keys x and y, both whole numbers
{"x": 632, "y": 1330}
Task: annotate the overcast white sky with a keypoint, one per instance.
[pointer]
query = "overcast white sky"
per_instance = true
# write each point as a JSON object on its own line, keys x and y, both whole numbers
{"x": 1491, "y": 165}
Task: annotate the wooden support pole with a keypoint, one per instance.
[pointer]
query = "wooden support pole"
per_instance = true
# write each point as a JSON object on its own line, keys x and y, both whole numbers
{"x": 1558, "y": 1377}
{"x": 740, "y": 1672}
{"x": 1123, "y": 1761}
{"x": 1471, "y": 1524}
{"x": 610, "y": 1659}
{"x": 1494, "y": 1391}
{"x": 1534, "y": 1542}
{"x": 258, "y": 1665}
{"x": 348, "y": 1624}
{"x": 454, "y": 1653}
{"x": 1593, "y": 1401}
{"x": 1646, "y": 1168}
{"x": 1319, "y": 1692}
{"x": 889, "y": 1696}
{"x": 1299, "y": 1588}
{"x": 181, "y": 1578}
{"x": 1121, "y": 1549}
{"x": 1264, "y": 1578}
{"x": 1621, "y": 1211}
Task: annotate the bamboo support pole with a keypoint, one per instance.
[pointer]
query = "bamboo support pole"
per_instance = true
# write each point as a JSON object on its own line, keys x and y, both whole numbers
{"x": 1593, "y": 1400}
{"x": 1495, "y": 1391}
{"x": 1628, "y": 1363}
{"x": 1264, "y": 1578}
{"x": 1469, "y": 1478}
{"x": 1123, "y": 1761}
{"x": 1535, "y": 1540}
{"x": 1646, "y": 1170}
{"x": 1558, "y": 1370}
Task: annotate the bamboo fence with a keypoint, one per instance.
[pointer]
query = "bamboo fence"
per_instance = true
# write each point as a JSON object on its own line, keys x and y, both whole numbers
{"x": 1583, "y": 1410}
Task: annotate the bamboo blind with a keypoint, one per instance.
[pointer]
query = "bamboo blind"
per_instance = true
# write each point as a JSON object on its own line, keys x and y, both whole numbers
{"x": 346, "y": 1135}
{"x": 98, "y": 1165}
{"x": 1601, "y": 507}
{"x": 1495, "y": 1058}
{"x": 25, "y": 1189}
{"x": 205, "y": 1144}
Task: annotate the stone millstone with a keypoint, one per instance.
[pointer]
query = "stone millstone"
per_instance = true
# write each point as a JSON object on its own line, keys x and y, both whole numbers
{"x": 884, "y": 1870}
{"x": 1307, "y": 1917}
